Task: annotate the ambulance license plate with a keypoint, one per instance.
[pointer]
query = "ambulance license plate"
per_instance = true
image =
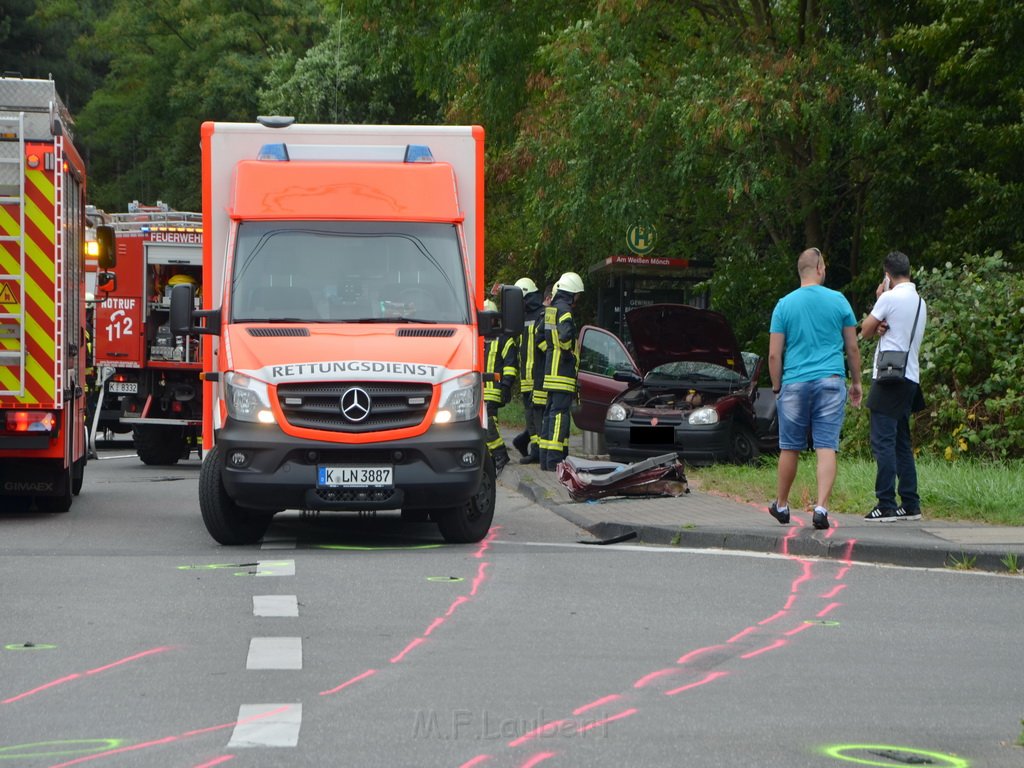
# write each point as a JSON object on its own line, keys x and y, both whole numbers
{"x": 123, "y": 387}
{"x": 354, "y": 477}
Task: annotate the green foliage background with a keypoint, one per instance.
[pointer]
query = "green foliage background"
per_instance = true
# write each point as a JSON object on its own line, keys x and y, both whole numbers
{"x": 743, "y": 131}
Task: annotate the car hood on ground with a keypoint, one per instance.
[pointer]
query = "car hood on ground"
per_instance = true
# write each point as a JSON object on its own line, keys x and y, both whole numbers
{"x": 668, "y": 333}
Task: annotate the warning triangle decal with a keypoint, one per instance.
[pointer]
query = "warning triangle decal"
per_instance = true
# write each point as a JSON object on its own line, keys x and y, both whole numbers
{"x": 7, "y": 295}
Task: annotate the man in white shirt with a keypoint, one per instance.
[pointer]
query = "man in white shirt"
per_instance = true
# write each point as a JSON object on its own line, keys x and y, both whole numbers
{"x": 898, "y": 318}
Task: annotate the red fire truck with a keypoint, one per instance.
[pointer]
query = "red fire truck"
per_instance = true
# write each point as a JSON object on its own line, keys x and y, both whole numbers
{"x": 42, "y": 300}
{"x": 147, "y": 378}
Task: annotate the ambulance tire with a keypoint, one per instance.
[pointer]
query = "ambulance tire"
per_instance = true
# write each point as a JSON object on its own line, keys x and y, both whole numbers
{"x": 159, "y": 446}
{"x": 227, "y": 522}
{"x": 470, "y": 522}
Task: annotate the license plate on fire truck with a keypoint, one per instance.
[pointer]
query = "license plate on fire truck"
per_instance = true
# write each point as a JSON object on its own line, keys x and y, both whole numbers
{"x": 354, "y": 477}
{"x": 123, "y": 387}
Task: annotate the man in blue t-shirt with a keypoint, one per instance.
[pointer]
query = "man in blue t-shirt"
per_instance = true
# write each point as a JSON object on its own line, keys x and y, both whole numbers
{"x": 813, "y": 340}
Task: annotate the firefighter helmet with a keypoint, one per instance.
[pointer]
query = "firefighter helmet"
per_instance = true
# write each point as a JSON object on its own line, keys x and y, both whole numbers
{"x": 490, "y": 306}
{"x": 527, "y": 285}
{"x": 569, "y": 282}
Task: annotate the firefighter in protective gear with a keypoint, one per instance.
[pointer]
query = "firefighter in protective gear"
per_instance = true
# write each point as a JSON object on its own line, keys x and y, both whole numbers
{"x": 501, "y": 362}
{"x": 561, "y": 366}
{"x": 527, "y": 442}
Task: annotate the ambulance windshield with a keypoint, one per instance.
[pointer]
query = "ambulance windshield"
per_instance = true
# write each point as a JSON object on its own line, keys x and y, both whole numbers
{"x": 342, "y": 271}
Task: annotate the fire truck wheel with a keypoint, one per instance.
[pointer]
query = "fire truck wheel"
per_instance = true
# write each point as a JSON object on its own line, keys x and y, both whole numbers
{"x": 159, "y": 446}
{"x": 470, "y": 522}
{"x": 227, "y": 522}
{"x": 78, "y": 472}
{"x": 61, "y": 503}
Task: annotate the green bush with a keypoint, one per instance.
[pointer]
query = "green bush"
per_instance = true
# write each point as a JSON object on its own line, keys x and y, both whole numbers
{"x": 972, "y": 362}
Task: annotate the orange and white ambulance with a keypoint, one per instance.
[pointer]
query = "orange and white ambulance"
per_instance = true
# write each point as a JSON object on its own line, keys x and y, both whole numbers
{"x": 42, "y": 300}
{"x": 343, "y": 324}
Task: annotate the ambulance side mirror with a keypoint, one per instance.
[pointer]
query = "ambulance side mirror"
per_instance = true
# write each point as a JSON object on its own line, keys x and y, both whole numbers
{"x": 512, "y": 309}
{"x": 106, "y": 254}
{"x": 183, "y": 314}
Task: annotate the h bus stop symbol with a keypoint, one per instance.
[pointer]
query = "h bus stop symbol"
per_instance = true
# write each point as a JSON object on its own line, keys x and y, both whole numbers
{"x": 641, "y": 238}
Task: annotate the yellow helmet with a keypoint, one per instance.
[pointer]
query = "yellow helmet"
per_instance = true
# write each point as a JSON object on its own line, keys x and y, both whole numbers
{"x": 181, "y": 279}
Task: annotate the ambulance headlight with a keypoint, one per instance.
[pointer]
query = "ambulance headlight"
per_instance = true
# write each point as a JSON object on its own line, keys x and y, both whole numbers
{"x": 247, "y": 399}
{"x": 460, "y": 399}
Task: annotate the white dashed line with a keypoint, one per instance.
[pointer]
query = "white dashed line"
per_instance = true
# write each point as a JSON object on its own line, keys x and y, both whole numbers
{"x": 275, "y": 568}
{"x": 275, "y": 605}
{"x": 280, "y": 729}
{"x": 275, "y": 653}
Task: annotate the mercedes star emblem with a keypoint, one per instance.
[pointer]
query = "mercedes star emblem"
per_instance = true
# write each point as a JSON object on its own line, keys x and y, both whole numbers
{"x": 355, "y": 404}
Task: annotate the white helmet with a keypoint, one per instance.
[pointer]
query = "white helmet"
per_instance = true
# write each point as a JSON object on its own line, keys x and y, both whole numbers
{"x": 569, "y": 282}
{"x": 490, "y": 306}
{"x": 527, "y": 285}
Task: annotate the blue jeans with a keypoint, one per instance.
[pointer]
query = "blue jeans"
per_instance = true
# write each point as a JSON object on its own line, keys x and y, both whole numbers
{"x": 817, "y": 407}
{"x": 894, "y": 456}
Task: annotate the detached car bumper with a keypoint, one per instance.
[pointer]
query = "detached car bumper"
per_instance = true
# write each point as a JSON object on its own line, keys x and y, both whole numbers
{"x": 269, "y": 470}
{"x": 693, "y": 443}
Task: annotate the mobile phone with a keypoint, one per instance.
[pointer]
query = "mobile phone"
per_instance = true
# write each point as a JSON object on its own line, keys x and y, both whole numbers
{"x": 886, "y": 283}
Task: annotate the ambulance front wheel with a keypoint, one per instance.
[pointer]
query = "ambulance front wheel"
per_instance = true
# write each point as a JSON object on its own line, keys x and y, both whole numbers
{"x": 227, "y": 522}
{"x": 470, "y": 522}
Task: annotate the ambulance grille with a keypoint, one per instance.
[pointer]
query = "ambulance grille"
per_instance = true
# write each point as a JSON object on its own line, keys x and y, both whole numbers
{"x": 442, "y": 333}
{"x": 278, "y": 331}
{"x": 318, "y": 405}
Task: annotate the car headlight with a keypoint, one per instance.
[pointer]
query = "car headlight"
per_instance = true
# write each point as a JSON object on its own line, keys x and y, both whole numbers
{"x": 460, "y": 399}
{"x": 704, "y": 416}
{"x": 247, "y": 399}
{"x": 617, "y": 412}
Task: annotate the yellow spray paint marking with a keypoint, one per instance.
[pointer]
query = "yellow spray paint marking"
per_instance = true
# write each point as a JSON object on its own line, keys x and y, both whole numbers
{"x": 892, "y": 755}
{"x": 29, "y": 647}
{"x": 64, "y": 748}
{"x": 451, "y": 579}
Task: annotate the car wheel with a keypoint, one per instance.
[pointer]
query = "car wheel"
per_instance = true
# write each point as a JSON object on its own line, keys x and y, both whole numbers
{"x": 742, "y": 446}
{"x": 470, "y": 522}
{"x": 227, "y": 522}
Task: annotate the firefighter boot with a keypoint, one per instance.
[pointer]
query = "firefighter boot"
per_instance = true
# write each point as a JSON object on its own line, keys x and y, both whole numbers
{"x": 501, "y": 458}
{"x": 522, "y": 443}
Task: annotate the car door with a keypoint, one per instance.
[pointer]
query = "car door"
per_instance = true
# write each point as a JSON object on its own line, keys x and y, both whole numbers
{"x": 602, "y": 355}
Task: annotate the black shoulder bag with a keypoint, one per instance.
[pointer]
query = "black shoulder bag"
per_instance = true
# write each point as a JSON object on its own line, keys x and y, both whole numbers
{"x": 892, "y": 363}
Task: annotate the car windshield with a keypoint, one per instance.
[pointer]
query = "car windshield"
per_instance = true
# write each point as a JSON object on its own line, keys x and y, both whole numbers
{"x": 348, "y": 272}
{"x": 690, "y": 372}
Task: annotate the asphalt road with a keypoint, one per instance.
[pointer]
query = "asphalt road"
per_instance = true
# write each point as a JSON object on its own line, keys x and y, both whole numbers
{"x": 129, "y": 638}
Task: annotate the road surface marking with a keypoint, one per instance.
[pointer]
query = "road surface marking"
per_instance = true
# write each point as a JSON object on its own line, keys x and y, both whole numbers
{"x": 277, "y": 730}
{"x": 275, "y": 568}
{"x": 274, "y": 653}
{"x": 275, "y": 605}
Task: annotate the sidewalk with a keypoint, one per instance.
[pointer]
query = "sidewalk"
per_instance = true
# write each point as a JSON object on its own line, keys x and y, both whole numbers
{"x": 702, "y": 519}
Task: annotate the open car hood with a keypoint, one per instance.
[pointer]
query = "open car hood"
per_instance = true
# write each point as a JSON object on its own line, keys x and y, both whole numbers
{"x": 668, "y": 333}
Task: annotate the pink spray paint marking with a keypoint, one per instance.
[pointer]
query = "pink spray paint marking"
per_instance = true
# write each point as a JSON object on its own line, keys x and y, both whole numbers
{"x": 433, "y": 625}
{"x": 773, "y": 617}
{"x": 654, "y": 676}
{"x": 596, "y": 704}
{"x": 798, "y": 628}
{"x": 740, "y": 635}
{"x": 347, "y": 683}
{"x": 759, "y": 651}
{"x": 612, "y": 719}
{"x": 76, "y": 675}
{"x": 833, "y": 592}
{"x": 828, "y": 609}
{"x": 537, "y": 759}
{"x": 478, "y": 760}
{"x": 554, "y": 725}
{"x": 686, "y": 657}
{"x": 458, "y": 601}
{"x": 171, "y": 739}
{"x": 707, "y": 679}
{"x": 804, "y": 576}
{"x": 486, "y": 543}
{"x": 481, "y": 574}
{"x": 409, "y": 647}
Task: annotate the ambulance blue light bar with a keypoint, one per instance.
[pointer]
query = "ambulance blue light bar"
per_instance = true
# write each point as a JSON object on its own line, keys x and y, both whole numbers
{"x": 404, "y": 153}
